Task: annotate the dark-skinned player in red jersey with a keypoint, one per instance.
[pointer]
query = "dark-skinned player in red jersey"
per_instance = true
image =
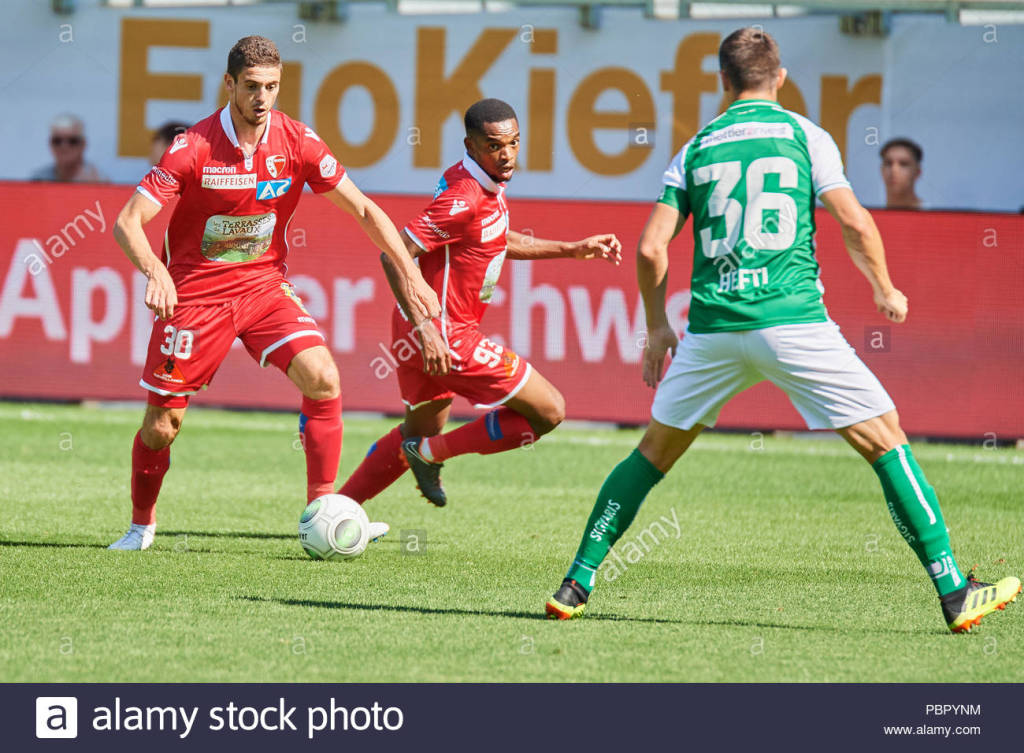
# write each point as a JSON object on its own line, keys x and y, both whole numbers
{"x": 239, "y": 175}
{"x": 460, "y": 242}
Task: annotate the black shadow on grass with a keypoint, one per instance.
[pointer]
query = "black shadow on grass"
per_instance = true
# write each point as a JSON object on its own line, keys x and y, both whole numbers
{"x": 538, "y": 616}
{"x": 53, "y": 544}
{"x": 438, "y": 610}
{"x": 230, "y": 535}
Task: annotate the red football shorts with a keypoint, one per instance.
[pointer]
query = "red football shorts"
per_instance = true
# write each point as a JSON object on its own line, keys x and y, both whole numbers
{"x": 186, "y": 350}
{"x": 484, "y": 372}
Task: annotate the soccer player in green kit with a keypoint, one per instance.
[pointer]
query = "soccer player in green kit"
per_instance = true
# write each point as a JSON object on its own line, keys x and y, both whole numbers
{"x": 750, "y": 179}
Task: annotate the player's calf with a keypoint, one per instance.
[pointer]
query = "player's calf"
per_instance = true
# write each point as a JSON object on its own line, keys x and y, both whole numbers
{"x": 321, "y": 429}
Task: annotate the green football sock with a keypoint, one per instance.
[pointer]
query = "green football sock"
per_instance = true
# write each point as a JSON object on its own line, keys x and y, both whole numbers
{"x": 617, "y": 502}
{"x": 916, "y": 513}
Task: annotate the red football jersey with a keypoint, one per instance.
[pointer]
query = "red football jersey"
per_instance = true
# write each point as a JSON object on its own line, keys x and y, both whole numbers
{"x": 227, "y": 233}
{"x": 464, "y": 230}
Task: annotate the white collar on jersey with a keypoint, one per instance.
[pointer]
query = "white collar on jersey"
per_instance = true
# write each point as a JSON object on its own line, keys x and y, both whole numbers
{"x": 229, "y": 127}
{"x": 482, "y": 177}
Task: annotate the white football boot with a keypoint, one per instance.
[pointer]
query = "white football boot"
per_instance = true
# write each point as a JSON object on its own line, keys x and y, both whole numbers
{"x": 378, "y": 531}
{"x": 138, "y": 537}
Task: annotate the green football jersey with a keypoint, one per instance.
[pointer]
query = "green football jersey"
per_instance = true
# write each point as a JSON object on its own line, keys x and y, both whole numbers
{"x": 750, "y": 178}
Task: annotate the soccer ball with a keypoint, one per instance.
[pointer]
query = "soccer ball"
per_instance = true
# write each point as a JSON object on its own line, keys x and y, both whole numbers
{"x": 334, "y": 527}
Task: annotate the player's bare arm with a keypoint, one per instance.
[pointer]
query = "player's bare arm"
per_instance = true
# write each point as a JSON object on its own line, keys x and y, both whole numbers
{"x": 662, "y": 226}
{"x": 378, "y": 227}
{"x": 436, "y": 357}
{"x": 864, "y": 244}
{"x": 602, "y": 246}
{"x": 161, "y": 295}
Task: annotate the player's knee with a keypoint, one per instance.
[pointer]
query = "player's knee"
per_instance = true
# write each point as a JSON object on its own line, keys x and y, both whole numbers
{"x": 887, "y": 440}
{"x": 551, "y": 414}
{"x": 160, "y": 429}
{"x": 323, "y": 383}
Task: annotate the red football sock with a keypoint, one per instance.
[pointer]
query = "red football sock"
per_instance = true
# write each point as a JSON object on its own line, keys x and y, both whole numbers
{"x": 500, "y": 430}
{"x": 381, "y": 467}
{"x": 148, "y": 469}
{"x": 321, "y": 429}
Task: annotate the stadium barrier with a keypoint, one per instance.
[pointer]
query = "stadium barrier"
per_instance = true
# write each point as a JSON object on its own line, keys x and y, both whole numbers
{"x": 73, "y": 324}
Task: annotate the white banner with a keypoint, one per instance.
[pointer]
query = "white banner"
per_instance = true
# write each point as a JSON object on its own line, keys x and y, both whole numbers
{"x": 602, "y": 112}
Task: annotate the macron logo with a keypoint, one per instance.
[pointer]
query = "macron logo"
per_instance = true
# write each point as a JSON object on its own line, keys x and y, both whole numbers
{"x": 179, "y": 143}
{"x": 458, "y": 206}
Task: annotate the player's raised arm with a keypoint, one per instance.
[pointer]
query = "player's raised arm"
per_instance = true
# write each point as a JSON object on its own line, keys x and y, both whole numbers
{"x": 662, "y": 226}
{"x": 161, "y": 295}
{"x": 379, "y": 228}
{"x": 864, "y": 244}
{"x": 603, "y": 246}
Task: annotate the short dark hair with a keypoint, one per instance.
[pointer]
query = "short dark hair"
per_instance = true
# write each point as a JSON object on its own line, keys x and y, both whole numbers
{"x": 250, "y": 51}
{"x": 169, "y": 130}
{"x": 906, "y": 143}
{"x": 487, "y": 111}
{"x": 749, "y": 58}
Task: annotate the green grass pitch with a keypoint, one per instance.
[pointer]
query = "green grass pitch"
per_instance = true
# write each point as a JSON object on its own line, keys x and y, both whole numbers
{"x": 786, "y": 566}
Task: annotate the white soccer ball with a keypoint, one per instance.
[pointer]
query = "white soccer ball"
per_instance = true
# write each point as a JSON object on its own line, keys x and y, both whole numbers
{"x": 334, "y": 527}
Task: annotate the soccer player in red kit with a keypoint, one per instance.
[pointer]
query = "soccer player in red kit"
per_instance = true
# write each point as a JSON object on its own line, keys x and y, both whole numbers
{"x": 461, "y": 241}
{"x": 239, "y": 175}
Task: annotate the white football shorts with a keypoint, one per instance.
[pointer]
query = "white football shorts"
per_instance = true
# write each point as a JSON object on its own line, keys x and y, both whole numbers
{"x": 813, "y": 364}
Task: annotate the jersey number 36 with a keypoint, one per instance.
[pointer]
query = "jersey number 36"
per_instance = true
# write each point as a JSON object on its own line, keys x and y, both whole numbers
{"x": 776, "y": 234}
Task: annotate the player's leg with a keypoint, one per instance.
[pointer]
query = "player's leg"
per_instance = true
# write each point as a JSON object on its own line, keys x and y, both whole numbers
{"x": 535, "y": 409}
{"x": 833, "y": 389}
{"x": 277, "y": 329}
{"x": 385, "y": 462}
{"x": 621, "y": 495}
{"x": 706, "y": 372}
{"x": 495, "y": 379}
{"x": 911, "y": 500}
{"x": 314, "y": 372}
{"x": 151, "y": 458}
{"x": 915, "y": 510}
{"x": 184, "y": 354}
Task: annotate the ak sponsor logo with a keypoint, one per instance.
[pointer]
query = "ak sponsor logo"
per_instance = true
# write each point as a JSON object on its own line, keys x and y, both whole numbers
{"x": 229, "y": 182}
{"x": 272, "y": 189}
{"x": 275, "y": 165}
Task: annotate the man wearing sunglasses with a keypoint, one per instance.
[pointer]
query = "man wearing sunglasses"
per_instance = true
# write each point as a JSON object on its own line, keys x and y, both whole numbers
{"x": 67, "y": 143}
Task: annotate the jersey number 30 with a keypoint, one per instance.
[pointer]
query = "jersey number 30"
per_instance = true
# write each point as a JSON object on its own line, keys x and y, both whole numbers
{"x": 726, "y": 175}
{"x": 178, "y": 342}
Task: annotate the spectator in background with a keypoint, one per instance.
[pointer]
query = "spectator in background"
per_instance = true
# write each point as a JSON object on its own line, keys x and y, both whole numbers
{"x": 67, "y": 143}
{"x": 901, "y": 167}
{"x": 162, "y": 138}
